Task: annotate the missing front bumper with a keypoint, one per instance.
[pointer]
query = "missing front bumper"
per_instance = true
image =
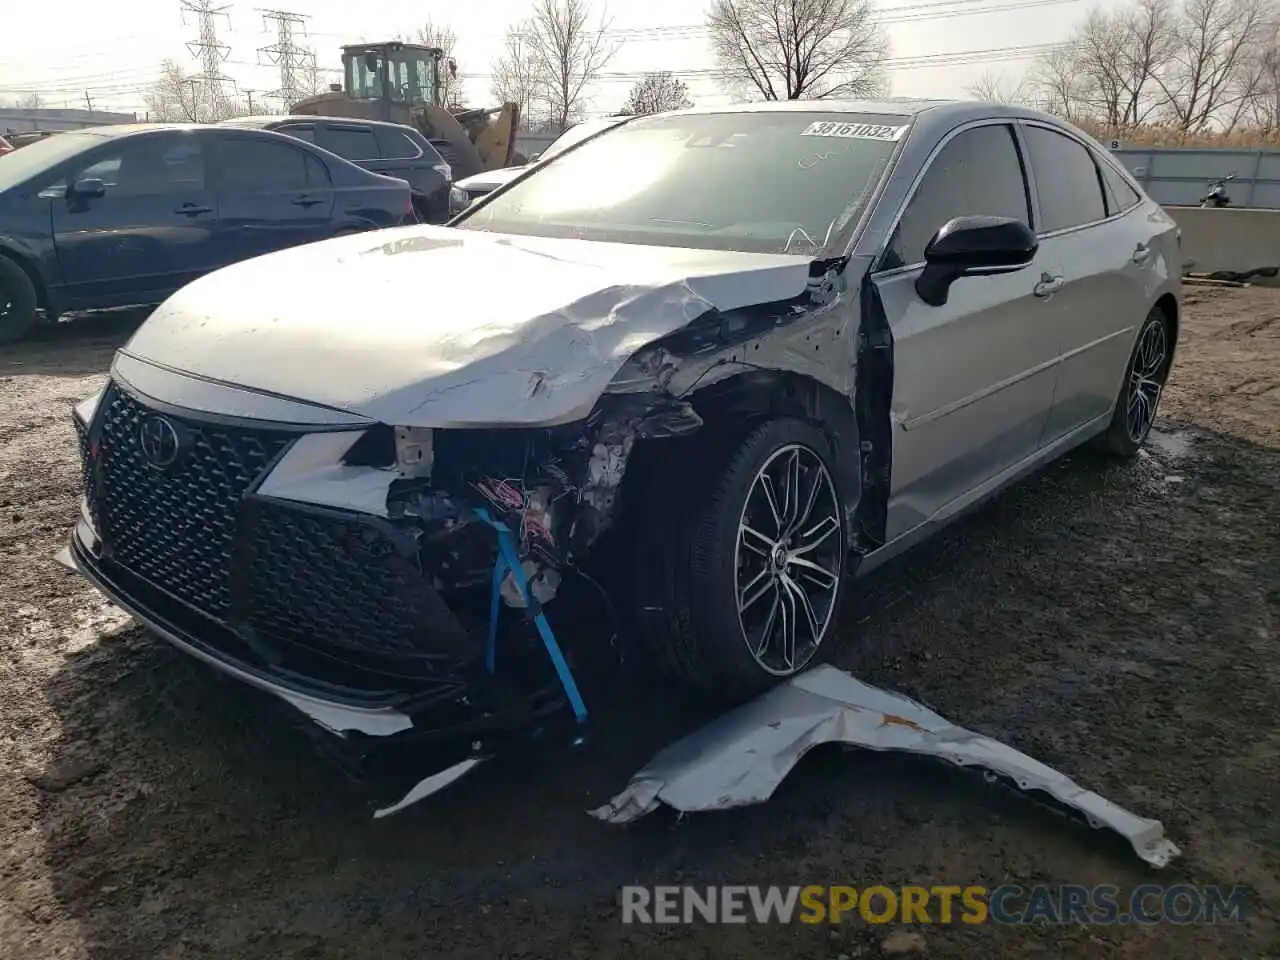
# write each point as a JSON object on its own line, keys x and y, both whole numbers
{"x": 462, "y": 710}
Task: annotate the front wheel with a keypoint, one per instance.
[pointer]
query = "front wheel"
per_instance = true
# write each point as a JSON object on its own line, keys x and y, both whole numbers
{"x": 18, "y": 302}
{"x": 1144, "y": 382}
{"x": 742, "y": 587}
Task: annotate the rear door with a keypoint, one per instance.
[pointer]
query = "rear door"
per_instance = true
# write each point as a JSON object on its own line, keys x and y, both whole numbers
{"x": 151, "y": 232}
{"x": 973, "y": 379}
{"x": 1100, "y": 248}
{"x": 271, "y": 195}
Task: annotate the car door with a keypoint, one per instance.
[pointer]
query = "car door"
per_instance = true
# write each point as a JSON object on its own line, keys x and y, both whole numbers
{"x": 1103, "y": 255}
{"x": 272, "y": 194}
{"x": 973, "y": 379}
{"x": 151, "y": 230}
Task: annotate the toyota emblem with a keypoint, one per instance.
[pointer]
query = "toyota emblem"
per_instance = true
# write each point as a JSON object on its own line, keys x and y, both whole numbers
{"x": 159, "y": 441}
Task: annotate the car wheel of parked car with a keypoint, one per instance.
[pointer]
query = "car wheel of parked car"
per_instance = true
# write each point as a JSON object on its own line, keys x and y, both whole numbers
{"x": 1143, "y": 385}
{"x": 741, "y": 577}
{"x": 18, "y": 302}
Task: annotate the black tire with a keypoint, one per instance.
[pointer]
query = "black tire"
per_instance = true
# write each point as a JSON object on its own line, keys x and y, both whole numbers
{"x": 1147, "y": 375}
{"x": 18, "y": 302}
{"x": 688, "y": 563}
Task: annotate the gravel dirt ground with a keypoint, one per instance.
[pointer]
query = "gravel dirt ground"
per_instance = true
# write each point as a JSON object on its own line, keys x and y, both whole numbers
{"x": 1116, "y": 621}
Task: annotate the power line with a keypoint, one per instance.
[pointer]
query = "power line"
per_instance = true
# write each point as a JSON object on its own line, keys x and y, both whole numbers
{"x": 286, "y": 54}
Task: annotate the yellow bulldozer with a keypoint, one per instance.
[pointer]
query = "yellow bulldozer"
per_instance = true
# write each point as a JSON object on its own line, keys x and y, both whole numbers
{"x": 400, "y": 82}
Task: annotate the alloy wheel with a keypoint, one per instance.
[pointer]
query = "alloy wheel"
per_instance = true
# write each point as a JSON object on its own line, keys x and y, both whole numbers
{"x": 1146, "y": 380}
{"x": 789, "y": 559}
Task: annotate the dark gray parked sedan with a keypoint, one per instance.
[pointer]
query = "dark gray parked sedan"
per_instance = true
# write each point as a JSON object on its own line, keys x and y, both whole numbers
{"x": 752, "y": 394}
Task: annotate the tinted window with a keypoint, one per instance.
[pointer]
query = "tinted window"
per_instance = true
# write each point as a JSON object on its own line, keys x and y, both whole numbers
{"x": 767, "y": 182}
{"x": 354, "y": 143}
{"x": 301, "y": 131}
{"x": 260, "y": 165}
{"x": 1120, "y": 196}
{"x": 146, "y": 166}
{"x": 395, "y": 145}
{"x": 1066, "y": 180}
{"x": 977, "y": 174}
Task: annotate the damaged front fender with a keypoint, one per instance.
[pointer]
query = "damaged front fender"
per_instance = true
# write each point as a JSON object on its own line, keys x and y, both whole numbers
{"x": 742, "y": 757}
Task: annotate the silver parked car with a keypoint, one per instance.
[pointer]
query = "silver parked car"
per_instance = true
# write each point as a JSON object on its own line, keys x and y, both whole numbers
{"x": 726, "y": 358}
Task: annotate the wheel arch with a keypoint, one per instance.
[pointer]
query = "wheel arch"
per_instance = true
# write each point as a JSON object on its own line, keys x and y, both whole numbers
{"x": 1167, "y": 304}
{"x": 29, "y": 267}
{"x": 732, "y": 407}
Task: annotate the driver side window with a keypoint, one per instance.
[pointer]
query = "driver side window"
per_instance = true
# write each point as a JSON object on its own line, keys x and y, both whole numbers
{"x": 978, "y": 173}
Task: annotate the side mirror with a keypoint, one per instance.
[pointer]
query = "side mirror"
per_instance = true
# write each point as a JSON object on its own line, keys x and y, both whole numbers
{"x": 90, "y": 188}
{"x": 973, "y": 247}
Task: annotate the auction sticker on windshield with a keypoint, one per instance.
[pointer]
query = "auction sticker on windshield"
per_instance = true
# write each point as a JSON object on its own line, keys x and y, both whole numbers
{"x": 853, "y": 131}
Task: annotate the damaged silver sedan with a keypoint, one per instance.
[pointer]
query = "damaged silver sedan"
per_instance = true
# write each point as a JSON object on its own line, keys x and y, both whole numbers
{"x": 734, "y": 356}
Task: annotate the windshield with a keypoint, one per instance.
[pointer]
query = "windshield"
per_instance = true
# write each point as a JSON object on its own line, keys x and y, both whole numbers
{"x": 766, "y": 182}
{"x": 576, "y": 134}
{"x": 364, "y": 76}
{"x": 31, "y": 160}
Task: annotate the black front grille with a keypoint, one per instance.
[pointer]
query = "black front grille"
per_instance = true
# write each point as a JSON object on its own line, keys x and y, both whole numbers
{"x": 280, "y": 577}
{"x": 175, "y": 526}
{"x": 318, "y": 577}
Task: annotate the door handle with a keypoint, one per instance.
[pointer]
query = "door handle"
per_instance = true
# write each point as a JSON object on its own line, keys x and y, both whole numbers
{"x": 192, "y": 210}
{"x": 306, "y": 201}
{"x": 1048, "y": 286}
{"x": 1141, "y": 253}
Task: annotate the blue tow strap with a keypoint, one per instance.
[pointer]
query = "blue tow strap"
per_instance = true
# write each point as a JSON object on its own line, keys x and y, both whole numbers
{"x": 509, "y": 560}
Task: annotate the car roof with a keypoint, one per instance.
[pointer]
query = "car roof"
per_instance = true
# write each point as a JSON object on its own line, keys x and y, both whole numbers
{"x": 907, "y": 107}
{"x": 263, "y": 120}
{"x": 128, "y": 129}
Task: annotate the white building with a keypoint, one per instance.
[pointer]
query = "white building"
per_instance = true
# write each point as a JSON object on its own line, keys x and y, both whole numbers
{"x": 23, "y": 119}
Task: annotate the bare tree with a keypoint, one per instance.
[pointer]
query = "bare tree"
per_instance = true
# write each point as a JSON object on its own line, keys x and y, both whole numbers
{"x": 1056, "y": 84}
{"x": 29, "y": 101}
{"x": 1263, "y": 108}
{"x": 516, "y": 80}
{"x": 566, "y": 54}
{"x": 173, "y": 97}
{"x": 1213, "y": 43}
{"x": 657, "y": 92}
{"x": 994, "y": 88}
{"x": 1117, "y": 58}
{"x": 442, "y": 36}
{"x": 799, "y": 49}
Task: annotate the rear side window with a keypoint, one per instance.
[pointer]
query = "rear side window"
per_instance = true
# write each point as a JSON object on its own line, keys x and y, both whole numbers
{"x": 977, "y": 174}
{"x": 1066, "y": 180}
{"x": 262, "y": 166}
{"x": 394, "y": 145}
{"x": 353, "y": 143}
{"x": 300, "y": 131}
{"x": 1120, "y": 195}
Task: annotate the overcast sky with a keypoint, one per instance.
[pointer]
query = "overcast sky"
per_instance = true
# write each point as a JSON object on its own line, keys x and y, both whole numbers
{"x": 65, "y": 48}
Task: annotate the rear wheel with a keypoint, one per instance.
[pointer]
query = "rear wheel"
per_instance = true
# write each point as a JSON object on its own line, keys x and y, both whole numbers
{"x": 18, "y": 302}
{"x": 740, "y": 583}
{"x": 1144, "y": 382}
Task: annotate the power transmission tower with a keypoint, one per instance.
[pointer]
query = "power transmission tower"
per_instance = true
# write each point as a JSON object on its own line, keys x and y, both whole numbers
{"x": 207, "y": 86}
{"x": 292, "y": 59}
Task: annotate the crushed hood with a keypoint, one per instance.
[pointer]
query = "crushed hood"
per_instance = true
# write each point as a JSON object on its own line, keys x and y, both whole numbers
{"x": 437, "y": 327}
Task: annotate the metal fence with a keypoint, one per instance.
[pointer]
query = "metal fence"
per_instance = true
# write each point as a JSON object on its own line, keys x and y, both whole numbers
{"x": 1180, "y": 176}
